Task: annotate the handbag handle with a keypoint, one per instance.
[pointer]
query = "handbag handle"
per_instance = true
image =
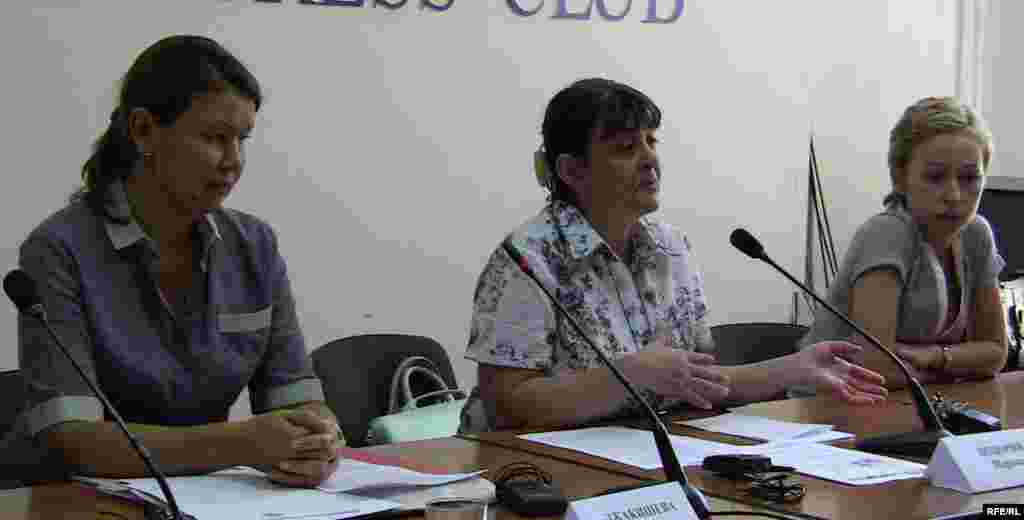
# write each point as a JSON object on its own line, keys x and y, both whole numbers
{"x": 452, "y": 394}
{"x": 397, "y": 381}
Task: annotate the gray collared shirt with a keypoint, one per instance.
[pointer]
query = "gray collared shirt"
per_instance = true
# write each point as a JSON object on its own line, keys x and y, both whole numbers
{"x": 174, "y": 363}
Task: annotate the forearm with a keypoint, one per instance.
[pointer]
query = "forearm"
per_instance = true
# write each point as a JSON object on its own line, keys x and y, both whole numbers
{"x": 570, "y": 397}
{"x": 101, "y": 449}
{"x": 758, "y": 381}
{"x": 975, "y": 359}
{"x": 873, "y": 359}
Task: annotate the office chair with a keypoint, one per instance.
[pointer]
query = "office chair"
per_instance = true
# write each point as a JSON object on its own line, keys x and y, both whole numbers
{"x": 12, "y": 390}
{"x": 742, "y": 343}
{"x": 23, "y": 461}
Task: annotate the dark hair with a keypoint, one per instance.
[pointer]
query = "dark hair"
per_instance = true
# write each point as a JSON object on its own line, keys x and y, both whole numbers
{"x": 574, "y": 113}
{"x": 164, "y": 79}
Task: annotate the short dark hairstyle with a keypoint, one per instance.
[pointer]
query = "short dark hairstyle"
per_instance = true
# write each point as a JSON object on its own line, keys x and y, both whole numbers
{"x": 164, "y": 79}
{"x": 588, "y": 104}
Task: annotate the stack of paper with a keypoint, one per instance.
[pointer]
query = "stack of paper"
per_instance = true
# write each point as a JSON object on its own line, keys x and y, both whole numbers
{"x": 121, "y": 490}
{"x": 364, "y": 470}
{"x": 763, "y": 428}
{"x": 372, "y": 475}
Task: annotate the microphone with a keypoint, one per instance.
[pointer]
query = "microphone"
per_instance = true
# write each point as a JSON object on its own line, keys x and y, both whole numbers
{"x": 669, "y": 462}
{"x": 917, "y": 444}
{"x": 21, "y": 289}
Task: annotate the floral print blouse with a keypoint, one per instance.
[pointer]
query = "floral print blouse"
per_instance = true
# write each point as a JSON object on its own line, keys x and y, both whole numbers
{"x": 621, "y": 306}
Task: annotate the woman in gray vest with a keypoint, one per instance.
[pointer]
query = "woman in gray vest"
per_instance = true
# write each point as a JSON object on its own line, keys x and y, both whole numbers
{"x": 173, "y": 303}
{"x": 922, "y": 275}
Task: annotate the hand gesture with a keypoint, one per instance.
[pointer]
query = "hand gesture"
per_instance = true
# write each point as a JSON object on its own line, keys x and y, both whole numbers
{"x": 677, "y": 373}
{"x": 823, "y": 367}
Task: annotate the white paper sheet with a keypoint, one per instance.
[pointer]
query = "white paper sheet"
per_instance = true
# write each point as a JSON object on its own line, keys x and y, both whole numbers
{"x": 245, "y": 493}
{"x": 355, "y": 475}
{"x": 852, "y": 467}
{"x": 636, "y": 448}
{"x": 756, "y": 427}
{"x": 829, "y": 436}
{"x": 632, "y": 446}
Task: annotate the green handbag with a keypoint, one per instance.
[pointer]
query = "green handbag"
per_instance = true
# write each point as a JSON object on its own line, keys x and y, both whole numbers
{"x": 421, "y": 405}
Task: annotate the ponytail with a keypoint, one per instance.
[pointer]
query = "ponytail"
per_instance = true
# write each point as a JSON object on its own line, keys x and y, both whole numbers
{"x": 113, "y": 158}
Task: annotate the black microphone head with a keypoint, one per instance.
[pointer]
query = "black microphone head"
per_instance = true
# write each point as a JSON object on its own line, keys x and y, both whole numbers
{"x": 21, "y": 290}
{"x": 745, "y": 242}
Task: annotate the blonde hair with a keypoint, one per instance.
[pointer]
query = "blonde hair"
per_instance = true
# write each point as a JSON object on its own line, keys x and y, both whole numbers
{"x": 928, "y": 118}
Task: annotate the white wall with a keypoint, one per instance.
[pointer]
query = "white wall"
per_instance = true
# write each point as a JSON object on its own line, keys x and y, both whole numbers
{"x": 1003, "y": 82}
{"x": 394, "y": 148}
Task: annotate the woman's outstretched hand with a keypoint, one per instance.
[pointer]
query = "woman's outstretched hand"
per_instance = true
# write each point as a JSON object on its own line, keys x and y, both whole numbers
{"x": 824, "y": 367}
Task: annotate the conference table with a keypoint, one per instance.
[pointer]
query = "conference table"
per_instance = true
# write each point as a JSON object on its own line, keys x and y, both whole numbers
{"x": 581, "y": 475}
{"x": 578, "y": 480}
{"x": 907, "y": 499}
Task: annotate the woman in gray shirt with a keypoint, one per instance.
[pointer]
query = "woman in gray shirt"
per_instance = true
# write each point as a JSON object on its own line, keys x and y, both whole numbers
{"x": 172, "y": 303}
{"x": 922, "y": 275}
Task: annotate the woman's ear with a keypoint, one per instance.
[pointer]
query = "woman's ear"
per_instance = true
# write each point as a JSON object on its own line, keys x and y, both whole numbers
{"x": 899, "y": 180}
{"x": 141, "y": 129}
{"x": 571, "y": 170}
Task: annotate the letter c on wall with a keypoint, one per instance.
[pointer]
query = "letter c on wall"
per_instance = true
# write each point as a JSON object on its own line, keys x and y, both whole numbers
{"x": 516, "y": 8}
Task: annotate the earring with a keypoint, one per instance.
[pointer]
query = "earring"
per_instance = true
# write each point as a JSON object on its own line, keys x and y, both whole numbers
{"x": 147, "y": 155}
{"x": 540, "y": 169}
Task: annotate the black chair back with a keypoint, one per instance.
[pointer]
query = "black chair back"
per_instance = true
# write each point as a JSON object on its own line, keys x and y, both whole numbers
{"x": 742, "y": 343}
{"x": 12, "y": 401}
{"x": 356, "y": 374}
{"x": 12, "y": 398}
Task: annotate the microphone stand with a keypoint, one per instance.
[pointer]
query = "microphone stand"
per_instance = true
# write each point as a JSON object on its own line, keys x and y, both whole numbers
{"x": 918, "y": 444}
{"x": 673, "y": 471}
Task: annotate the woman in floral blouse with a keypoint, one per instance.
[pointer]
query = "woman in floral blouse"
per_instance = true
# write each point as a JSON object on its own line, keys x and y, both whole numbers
{"x": 630, "y": 280}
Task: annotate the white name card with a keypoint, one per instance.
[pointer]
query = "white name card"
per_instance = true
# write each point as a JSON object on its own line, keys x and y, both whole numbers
{"x": 659, "y": 502}
{"x": 979, "y": 462}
